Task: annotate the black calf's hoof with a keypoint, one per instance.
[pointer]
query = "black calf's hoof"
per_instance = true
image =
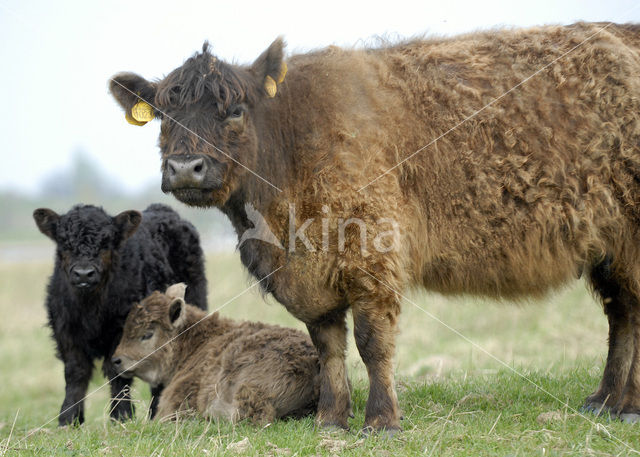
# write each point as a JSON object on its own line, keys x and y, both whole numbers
{"x": 72, "y": 418}
{"x": 122, "y": 413}
{"x": 70, "y": 421}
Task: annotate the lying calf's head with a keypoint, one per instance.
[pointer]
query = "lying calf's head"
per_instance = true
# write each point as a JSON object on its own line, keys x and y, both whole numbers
{"x": 145, "y": 349}
{"x": 87, "y": 239}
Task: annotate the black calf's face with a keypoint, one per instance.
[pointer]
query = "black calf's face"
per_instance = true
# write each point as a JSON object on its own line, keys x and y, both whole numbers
{"x": 87, "y": 240}
{"x": 210, "y": 113}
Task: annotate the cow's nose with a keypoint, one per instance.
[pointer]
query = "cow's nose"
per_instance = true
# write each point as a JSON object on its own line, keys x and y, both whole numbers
{"x": 116, "y": 361}
{"x": 83, "y": 274}
{"x": 185, "y": 172}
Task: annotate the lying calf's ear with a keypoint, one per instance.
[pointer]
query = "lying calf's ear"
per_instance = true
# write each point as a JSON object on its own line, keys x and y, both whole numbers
{"x": 135, "y": 95}
{"x": 176, "y": 290}
{"x": 127, "y": 222}
{"x": 46, "y": 220}
{"x": 177, "y": 312}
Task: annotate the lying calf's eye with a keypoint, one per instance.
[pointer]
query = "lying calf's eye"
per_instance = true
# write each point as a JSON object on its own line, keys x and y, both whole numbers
{"x": 147, "y": 335}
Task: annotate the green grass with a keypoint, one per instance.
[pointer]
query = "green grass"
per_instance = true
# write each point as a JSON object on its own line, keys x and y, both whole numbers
{"x": 456, "y": 399}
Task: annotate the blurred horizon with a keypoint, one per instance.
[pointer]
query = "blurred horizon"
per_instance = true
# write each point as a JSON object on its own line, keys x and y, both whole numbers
{"x": 83, "y": 181}
{"x": 59, "y": 56}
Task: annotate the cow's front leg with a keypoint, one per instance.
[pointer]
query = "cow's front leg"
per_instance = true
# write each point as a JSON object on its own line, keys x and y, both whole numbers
{"x": 77, "y": 373}
{"x": 375, "y": 331}
{"x": 329, "y": 335}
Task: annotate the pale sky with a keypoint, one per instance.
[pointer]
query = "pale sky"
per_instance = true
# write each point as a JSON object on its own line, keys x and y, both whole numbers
{"x": 56, "y": 58}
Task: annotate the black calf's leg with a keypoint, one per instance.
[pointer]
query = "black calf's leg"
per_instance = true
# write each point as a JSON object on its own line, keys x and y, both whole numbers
{"x": 155, "y": 399}
{"x": 618, "y": 306}
{"x": 121, "y": 407}
{"x": 77, "y": 373}
{"x": 121, "y": 404}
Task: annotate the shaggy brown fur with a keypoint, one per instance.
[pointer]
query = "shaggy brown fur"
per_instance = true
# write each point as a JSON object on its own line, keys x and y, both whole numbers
{"x": 523, "y": 197}
{"x": 220, "y": 368}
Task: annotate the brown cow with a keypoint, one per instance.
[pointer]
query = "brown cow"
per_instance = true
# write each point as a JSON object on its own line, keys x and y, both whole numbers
{"x": 218, "y": 367}
{"x": 476, "y": 188}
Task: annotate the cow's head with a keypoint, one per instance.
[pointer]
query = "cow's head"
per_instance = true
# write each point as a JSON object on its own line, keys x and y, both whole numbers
{"x": 208, "y": 132}
{"x": 145, "y": 349}
{"x": 87, "y": 241}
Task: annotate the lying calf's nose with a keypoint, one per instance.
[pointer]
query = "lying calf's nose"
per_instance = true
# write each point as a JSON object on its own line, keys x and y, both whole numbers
{"x": 116, "y": 361}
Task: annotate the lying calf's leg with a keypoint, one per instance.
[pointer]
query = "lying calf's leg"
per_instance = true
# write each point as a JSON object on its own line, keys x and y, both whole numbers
{"x": 254, "y": 403}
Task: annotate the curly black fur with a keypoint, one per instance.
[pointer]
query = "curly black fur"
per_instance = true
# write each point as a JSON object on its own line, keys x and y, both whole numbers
{"x": 130, "y": 256}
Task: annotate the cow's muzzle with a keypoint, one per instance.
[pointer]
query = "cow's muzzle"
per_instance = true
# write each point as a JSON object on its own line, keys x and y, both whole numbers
{"x": 191, "y": 171}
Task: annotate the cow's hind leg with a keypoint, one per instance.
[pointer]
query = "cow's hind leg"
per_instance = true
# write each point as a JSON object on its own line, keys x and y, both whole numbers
{"x": 628, "y": 406}
{"x": 619, "y": 305}
{"x": 329, "y": 336}
{"x": 375, "y": 331}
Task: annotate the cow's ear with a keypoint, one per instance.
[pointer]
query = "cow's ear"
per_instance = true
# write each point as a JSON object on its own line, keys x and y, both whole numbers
{"x": 270, "y": 68}
{"x": 127, "y": 222}
{"x": 176, "y": 290}
{"x": 177, "y": 313}
{"x": 135, "y": 95}
{"x": 47, "y": 221}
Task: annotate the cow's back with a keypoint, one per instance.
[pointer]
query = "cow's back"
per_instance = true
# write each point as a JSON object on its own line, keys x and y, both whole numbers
{"x": 528, "y": 159}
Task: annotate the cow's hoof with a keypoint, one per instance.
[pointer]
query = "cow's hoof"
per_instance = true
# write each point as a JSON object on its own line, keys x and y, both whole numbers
{"x": 386, "y": 433}
{"x": 629, "y": 418}
{"x": 596, "y": 408}
{"x": 331, "y": 427}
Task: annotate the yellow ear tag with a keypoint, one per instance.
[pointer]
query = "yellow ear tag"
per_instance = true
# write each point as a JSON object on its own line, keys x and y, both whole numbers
{"x": 270, "y": 86}
{"x": 283, "y": 72}
{"x": 131, "y": 120}
{"x": 142, "y": 112}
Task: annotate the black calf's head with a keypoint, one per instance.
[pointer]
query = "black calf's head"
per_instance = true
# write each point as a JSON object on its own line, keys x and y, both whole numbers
{"x": 87, "y": 239}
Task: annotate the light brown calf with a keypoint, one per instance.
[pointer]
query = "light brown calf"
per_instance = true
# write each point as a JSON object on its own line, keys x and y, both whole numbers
{"x": 220, "y": 368}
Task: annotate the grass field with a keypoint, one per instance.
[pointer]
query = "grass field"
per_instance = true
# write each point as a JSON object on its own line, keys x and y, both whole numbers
{"x": 456, "y": 399}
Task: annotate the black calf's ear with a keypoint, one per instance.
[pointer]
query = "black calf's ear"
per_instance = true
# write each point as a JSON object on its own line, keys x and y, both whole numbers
{"x": 46, "y": 220}
{"x": 270, "y": 68}
{"x": 176, "y": 312}
{"x": 135, "y": 95}
{"x": 127, "y": 222}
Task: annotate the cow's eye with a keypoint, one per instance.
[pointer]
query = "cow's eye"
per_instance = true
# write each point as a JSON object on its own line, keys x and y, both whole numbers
{"x": 235, "y": 111}
{"x": 147, "y": 335}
